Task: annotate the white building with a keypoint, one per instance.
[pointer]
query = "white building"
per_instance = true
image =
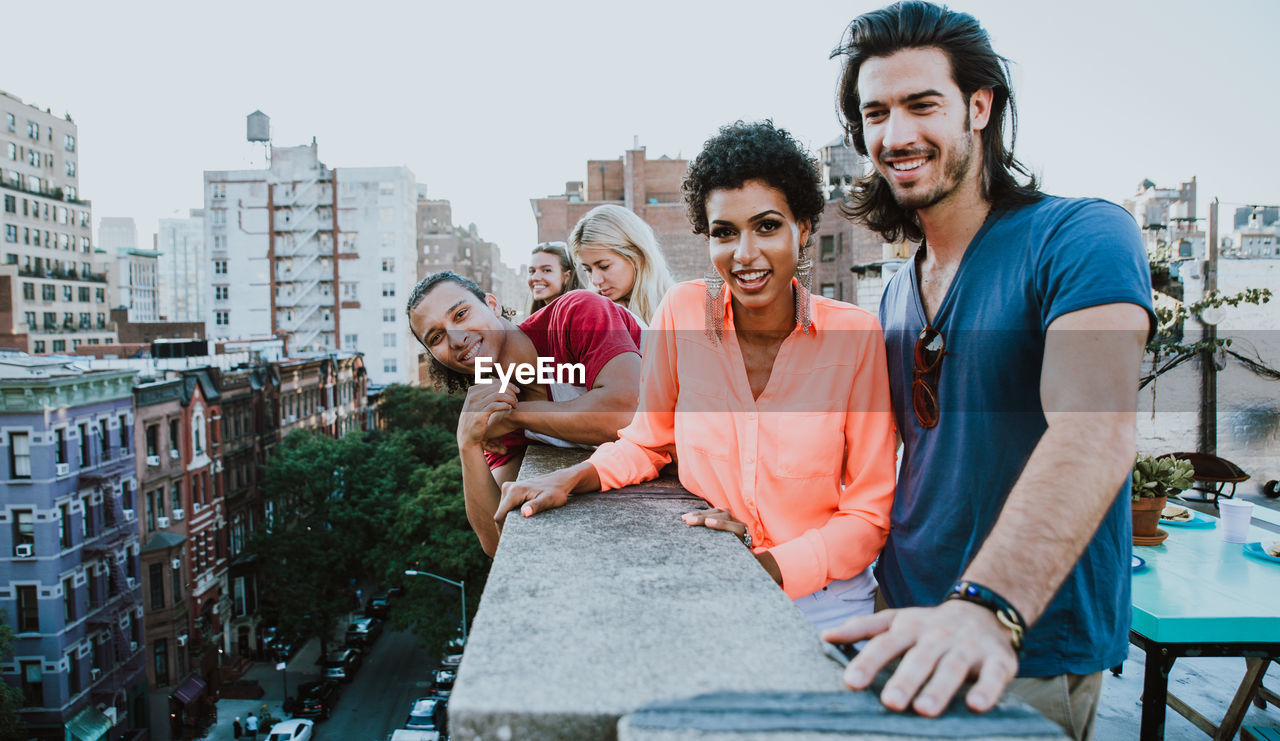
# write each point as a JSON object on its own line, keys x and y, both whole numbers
{"x": 134, "y": 276}
{"x": 57, "y": 296}
{"x": 324, "y": 257}
{"x": 181, "y": 268}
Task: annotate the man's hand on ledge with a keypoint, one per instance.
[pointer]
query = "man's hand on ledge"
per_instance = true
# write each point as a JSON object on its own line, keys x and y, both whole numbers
{"x": 941, "y": 647}
{"x": 547, "y": 491}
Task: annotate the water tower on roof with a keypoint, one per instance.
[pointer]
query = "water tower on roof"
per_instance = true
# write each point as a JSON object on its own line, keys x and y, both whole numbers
{"x": 258, "y": 132}
{"x": 258, "y": 127}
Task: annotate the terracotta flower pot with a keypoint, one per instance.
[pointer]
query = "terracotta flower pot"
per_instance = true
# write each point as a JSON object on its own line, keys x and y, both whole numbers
{"x": 1146, "y": 516}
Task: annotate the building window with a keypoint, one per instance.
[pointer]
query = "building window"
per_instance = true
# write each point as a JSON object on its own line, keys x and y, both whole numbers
{"x": 220, "y": 293}
{"x": 48, "y": 292}
{"x": 103, "y": 440}
{"x": 28, "y": 610}
{"x": 124, "y": 434}
{"x": 71, "y": 168}
{"x": 10, "y": 204}
{"x": 64, "y": 527}
{"x": 388, "y": 315}
{"x": 59, "y": 345}
{"x": 10, "y": 233}
{"x": 29, "y": 291}
{"x": 69, "y": 600}
{"x": 155, "y": 581}
{"x": 100, "y": 295}
{"x": 220, "y": 267}
{"x": 82, "y": 294}
{"x": 59, "y": 446}
{"x": 153, "y": 440}
{"x": 73, "y": 672}
{"x": 32, "y": 683}
{"x": 222, "y": 318}
{"x": 20, "y": 455}
{"x": 388, "y": 289}
{"x": 70, "y": 143}
{"x": 218, "y": 217}
{"x": 389, "y": 339}
{"x": 66, "y": 293}
{"x": 24, "y": 529}
{"x": 828, "y": 290}
{"x": 389, "y": 365}
{"x": 84, "y": 445}
{"x": 162, "y": 661}
{"x": 37, "y": 347}
{"x": 388, "y": 265}
{"x": 10, "y": 122}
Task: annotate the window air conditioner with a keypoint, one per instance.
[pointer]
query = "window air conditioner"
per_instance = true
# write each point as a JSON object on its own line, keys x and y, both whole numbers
{"x": 178, "y": 514}
{"x": 162, "y": 522}
{"x": 182, "y": 639}
{"x": 173, "y": 453}
{"x": 24, "y": 550}
{"x": 195, "y": 508}
{"x": 64, "y": 469}
{"x": 133, "y": 647}
{"x": 133, "y": 583}
{"x": 95, "y": 672}
{"x": 129, "y": 515}
{"x": 153, "y": 460}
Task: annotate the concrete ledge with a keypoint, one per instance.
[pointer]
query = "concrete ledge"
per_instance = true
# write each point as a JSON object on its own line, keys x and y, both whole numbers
{"x": 612, "y": 604}
{"x": 820, "y": 716}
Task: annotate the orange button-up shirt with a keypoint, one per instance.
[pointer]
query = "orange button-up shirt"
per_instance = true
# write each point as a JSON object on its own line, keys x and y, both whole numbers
{"x": 809, "y": 466}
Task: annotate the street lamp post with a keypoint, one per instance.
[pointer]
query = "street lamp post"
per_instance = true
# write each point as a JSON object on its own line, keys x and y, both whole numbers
{"x": 462, "y": 585}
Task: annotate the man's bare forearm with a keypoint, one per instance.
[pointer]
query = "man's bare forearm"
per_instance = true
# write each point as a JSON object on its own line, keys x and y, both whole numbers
{"x": 481, "y": 494}
{"x": 1069, "y": 483}
{"x": 590, "y": 423}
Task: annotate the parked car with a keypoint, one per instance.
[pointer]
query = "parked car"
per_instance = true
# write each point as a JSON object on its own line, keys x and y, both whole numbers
{"x": 404, "y": 734}
{"x": 443, "y": 683}
{"x": 291, "y": 730}
{"x": 341, "y": 664}
{"x": 363, "y": 631}
{"x": 427, "y": 714}
{"x": 451, "y": 661}
{"x": 379, "y": 605}
{"x": 316, "y": 699}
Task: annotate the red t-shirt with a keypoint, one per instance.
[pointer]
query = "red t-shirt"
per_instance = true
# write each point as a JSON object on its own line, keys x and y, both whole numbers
{"x": 578, "y": 327}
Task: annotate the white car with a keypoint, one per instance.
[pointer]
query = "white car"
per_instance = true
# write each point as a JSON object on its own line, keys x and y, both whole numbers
{"x": 296, "y": 729}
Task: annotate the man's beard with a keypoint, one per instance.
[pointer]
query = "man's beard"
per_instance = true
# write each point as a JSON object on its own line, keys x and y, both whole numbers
{"x": 954, "y": 171}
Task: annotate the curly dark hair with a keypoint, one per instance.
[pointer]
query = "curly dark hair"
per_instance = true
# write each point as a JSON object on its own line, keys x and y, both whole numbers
{"x": 974, "y": 66}
{"x": 442, "y": 377}
{"x": 754, "y": 151}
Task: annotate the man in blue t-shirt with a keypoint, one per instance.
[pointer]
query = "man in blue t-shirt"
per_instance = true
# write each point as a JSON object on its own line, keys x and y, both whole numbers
{"x": 1014, "y": 342}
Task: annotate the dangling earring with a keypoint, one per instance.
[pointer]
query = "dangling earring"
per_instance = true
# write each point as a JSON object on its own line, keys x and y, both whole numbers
{"x": 804, "y": 270}
{"x": 714, "y": 306}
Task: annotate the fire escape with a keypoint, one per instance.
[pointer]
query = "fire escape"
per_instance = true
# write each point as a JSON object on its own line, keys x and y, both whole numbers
{"x": 304, "y": 233}
{"x": 119, "y": 606}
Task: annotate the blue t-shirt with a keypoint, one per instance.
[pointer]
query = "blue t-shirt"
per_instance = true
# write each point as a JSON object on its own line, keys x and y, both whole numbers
{"x": 1025, "y": 267}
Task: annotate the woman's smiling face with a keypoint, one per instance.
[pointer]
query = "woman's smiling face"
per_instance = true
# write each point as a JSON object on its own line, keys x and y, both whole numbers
{"x": 755, "y": 242}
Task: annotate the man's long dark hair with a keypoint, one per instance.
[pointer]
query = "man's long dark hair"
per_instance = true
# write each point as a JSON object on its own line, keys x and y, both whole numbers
{"x": 974, "y": 66}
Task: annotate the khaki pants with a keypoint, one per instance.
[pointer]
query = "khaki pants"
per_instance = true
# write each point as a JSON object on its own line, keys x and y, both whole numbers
{"x": 1070, "y": 700}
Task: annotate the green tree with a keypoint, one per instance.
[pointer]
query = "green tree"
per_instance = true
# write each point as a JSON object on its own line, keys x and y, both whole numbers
{"x": 11, "y": 726}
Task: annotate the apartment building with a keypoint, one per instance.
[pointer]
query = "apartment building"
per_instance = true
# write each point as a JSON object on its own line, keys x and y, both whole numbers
{"x": 53, "y": 296}
{"x": 324, "y": 257}
{"x": 69, "y": 548}
{"x": 181, "y": 268}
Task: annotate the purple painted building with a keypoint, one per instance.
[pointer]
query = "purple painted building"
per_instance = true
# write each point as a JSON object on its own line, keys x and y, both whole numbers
{"x": 69, "y": 574}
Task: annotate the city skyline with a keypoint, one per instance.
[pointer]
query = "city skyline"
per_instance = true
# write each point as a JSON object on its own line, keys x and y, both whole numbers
{"x": 489, "y": 112}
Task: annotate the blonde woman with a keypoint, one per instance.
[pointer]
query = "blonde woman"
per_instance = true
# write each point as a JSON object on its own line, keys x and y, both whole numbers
{"x": 620, "y": 256}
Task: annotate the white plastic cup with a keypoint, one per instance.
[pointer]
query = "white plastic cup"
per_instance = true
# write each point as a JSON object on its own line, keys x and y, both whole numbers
{"x": 1235, "y": 519}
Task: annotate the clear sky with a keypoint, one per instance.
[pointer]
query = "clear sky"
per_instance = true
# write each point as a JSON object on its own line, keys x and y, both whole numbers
{"x": 493, "y": 103}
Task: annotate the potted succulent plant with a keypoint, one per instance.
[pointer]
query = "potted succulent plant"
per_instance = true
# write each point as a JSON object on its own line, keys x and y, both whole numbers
{"x": 1154, "y": 481}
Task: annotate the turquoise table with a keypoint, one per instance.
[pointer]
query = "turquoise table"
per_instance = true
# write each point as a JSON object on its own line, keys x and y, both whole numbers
{"x": 1200, "y": 596}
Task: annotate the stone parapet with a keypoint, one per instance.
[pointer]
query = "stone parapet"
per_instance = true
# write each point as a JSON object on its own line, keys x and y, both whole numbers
{"x": 606, "y": 618}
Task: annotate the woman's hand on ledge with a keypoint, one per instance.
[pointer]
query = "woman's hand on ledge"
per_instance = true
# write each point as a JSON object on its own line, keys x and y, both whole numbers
{"x": 722, "y": 519}
{"x": 547, "y": 491}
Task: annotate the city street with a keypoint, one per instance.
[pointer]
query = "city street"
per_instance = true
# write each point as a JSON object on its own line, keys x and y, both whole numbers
{"x": 395, "y": 672}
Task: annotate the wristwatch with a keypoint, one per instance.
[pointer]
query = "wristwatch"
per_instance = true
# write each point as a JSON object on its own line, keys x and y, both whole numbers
{"x": 746, "y": 538}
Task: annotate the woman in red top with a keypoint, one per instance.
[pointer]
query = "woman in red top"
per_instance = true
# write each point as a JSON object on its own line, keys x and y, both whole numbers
{"x": 776, "y": 402}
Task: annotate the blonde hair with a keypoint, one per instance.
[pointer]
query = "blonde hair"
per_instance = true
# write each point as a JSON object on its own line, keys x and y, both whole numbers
{"x": 571, "y": 281}
{"x": 617, "y": 229}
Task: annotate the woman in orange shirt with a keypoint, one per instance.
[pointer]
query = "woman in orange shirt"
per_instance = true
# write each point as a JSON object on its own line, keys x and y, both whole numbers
{"x": 776, "y": 402}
